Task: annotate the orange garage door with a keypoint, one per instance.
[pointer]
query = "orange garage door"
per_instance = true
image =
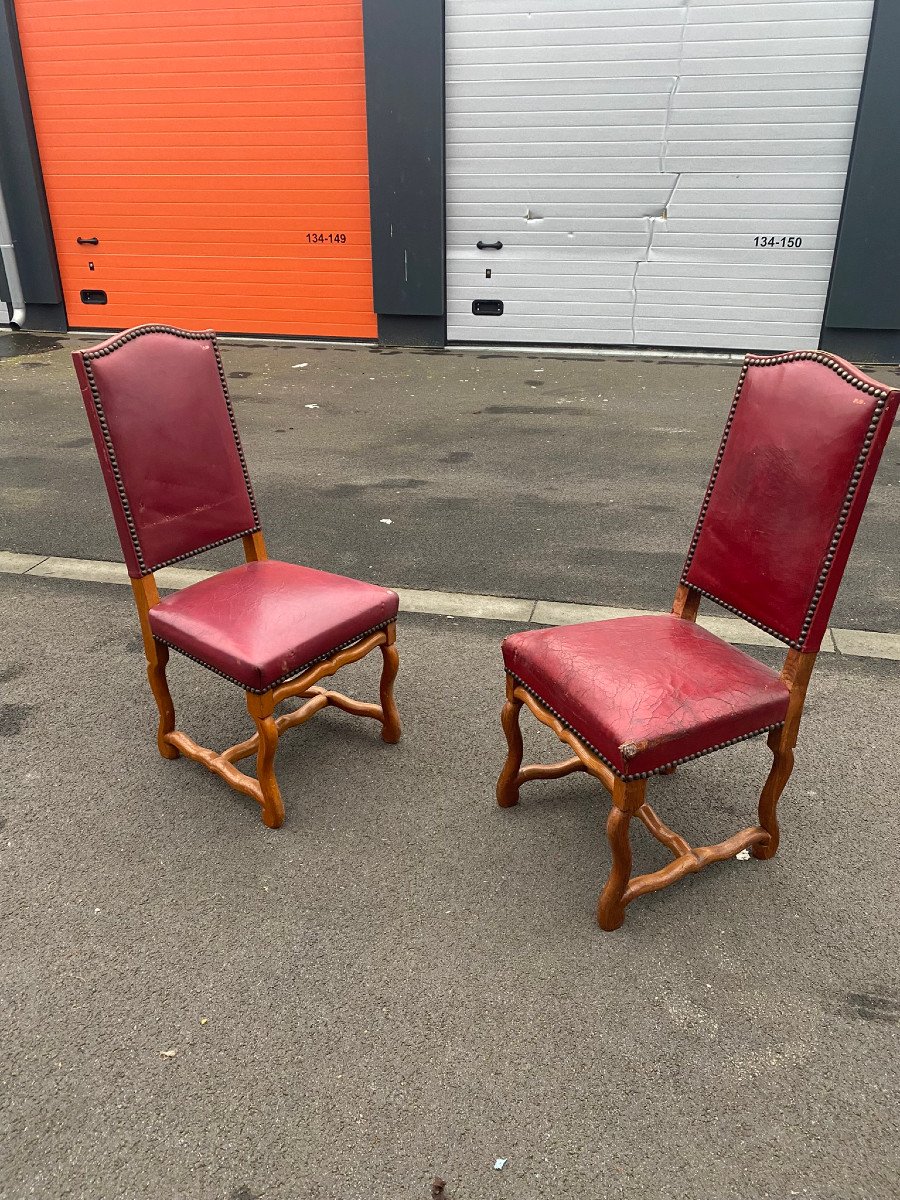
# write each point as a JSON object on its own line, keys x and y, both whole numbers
{"x": 217, "y": 150}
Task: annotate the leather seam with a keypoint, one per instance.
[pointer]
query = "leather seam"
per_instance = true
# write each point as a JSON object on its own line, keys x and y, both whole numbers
{"x": 292, "y": 674}
{"x": 675, "y": 762}
{"x": 87, "y": 357}
{"x": 881, "y": 395}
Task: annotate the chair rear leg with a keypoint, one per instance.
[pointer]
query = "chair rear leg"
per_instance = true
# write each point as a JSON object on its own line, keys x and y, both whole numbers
{"x": 507, "y": 788}
{"x": 157, "y": 658}
{"x": 783, "y": 752}
{"x": 261, "y": 709}
{"x": 390, "y": 726}
{"x": 627, "y": 799}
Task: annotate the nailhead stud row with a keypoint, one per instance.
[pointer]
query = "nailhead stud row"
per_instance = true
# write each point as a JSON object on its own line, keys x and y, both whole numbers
{"x": 139, "y": 331}
{"x": 284, "y": 678}
{"x": 191, "y": 335}
{"x": 881, "y": 396}
{"x": 826, "y": 361}
{"x": 675, "y": 762}
{"x": 776, "y": 633}
{"x": 844, "y": 514}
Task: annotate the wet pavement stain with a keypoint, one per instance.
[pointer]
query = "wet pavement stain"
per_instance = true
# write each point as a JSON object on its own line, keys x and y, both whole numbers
{"x": 14, "y": 718}
{"x": 354, "y": 489}
{"x": 883, "y": 1007}
{"x": 526, "y": 410}
{"x": 21, "y": 345}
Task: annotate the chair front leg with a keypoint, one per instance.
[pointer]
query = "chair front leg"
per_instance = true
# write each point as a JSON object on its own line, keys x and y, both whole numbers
{"x": 157, "y": 658}
{"x": 796, "y": 673}
{"x": 390, "y": 726}
{"x": 627, "y": 798}
{"x": 261, "y": 709}
{"x": 783, "y": 752}
{"x": 507, "y": 786}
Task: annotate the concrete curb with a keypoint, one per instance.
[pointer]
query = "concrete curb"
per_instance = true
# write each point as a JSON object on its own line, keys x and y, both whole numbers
{"x": 855, "y": 643}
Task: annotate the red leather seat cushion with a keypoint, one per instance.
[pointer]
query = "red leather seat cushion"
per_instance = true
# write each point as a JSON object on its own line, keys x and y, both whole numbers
{"x": 646, "y": 692}
{"x": 261, "y": 623}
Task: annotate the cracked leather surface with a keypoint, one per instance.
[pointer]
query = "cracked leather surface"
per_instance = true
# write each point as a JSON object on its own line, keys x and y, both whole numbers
{"x": 788, "y": 464}
{"x": 261, "y": 621}
{"x": 174, "y": 443}
{"x": 646, "y": 691}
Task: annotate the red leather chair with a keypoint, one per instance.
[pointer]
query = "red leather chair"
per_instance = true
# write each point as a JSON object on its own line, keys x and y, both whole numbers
{"x": 174, "y": 469}
{"x": 635, "y": 697}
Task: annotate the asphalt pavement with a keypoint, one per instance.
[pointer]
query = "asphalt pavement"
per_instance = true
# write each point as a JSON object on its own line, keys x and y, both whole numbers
{"x": 406, "y": 981}
{"x": 546, "y": 477}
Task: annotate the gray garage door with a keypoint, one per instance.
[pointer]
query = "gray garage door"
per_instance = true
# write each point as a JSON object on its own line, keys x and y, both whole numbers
{"x": 659, "y": 172}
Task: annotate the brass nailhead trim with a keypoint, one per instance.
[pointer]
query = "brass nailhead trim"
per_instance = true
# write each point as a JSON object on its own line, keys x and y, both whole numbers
{"x": 87, "y": 356}
{"x": 283, "y": 678}
{"x": 882, "y": 397}
{"x": 675, "y": 762}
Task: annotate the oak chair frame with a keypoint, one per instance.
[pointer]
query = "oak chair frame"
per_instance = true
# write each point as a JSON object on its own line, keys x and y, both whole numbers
{"x": 628, "y": 794}
{"x": 173, "y": 743}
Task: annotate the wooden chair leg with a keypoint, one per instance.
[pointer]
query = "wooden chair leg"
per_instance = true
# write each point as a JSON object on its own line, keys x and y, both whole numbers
{"x": 627, "y": 799}
{"x": 261, "y": 709}
{"x": 157, "y": 657}
{"x": 390, "y": 727}
{"x": 783, "y": 752}
{"x": 507, "y": 786}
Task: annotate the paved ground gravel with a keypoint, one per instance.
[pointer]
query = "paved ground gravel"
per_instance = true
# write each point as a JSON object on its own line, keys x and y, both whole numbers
{"x": 406, "y": 980}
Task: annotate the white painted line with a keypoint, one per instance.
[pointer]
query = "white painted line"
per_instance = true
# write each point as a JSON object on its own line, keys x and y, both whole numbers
{"x": 463, "y": 604}
{"x": 554, "y": 612}
{"x": 862, "y": 643}
{"x": 89, "y": 570}
{"x": 85, "y": 570}
{"x": 17, "y": 564}
{"x": 731, "y": 629}
{"x": 175, "y": 578}
{"x": 859, "y": 643}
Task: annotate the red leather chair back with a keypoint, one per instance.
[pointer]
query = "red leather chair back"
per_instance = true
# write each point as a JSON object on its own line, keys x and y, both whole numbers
{"x": 172, "y": 461}
{"x": 801, "y": 446}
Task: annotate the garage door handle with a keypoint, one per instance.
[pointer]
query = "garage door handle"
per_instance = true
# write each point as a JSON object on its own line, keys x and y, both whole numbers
{"x": 489, "y": 245}
{"x": 88, "y": 241}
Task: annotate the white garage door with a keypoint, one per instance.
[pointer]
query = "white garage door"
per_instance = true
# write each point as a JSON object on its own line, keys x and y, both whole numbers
{"x": 658, "y": 172}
